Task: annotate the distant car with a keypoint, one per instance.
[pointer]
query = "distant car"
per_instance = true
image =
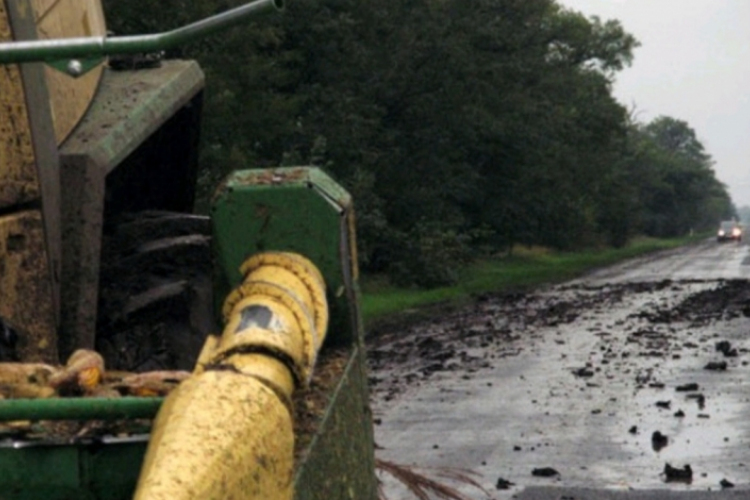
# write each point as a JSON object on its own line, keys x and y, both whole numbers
{"x": 729, "y": 230}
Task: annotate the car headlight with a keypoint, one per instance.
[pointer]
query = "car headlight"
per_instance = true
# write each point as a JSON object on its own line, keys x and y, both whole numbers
{"x": 721, "y": 232}
{"x": 736, "y": 232}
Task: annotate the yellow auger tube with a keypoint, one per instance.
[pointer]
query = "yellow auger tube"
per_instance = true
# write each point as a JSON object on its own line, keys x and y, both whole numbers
{"x": 226, "y": 432}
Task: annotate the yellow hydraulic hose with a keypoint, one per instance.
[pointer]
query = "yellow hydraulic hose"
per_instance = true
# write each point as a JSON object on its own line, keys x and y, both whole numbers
{"x": 226, "y": 432}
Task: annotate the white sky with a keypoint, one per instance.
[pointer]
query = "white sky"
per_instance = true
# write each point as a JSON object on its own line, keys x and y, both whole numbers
{"x": 694, "y": 65}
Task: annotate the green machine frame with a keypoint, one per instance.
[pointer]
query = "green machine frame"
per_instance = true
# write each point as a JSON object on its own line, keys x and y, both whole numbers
{"x": 287, "y": 209}
{"x": 303, "y": 210}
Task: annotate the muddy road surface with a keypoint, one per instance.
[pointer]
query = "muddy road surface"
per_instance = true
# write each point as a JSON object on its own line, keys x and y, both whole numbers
{"x": 632, "y": 382}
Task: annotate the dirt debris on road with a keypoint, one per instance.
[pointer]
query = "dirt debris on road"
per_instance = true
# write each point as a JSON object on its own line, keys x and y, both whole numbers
{"x": 494, "y": 374}
{"x": 454, "y": 343}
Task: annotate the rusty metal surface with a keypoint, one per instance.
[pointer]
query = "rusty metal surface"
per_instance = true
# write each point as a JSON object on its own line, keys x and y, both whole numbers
{"x": 18, "y": 179}
{"x": 24, "y": 285}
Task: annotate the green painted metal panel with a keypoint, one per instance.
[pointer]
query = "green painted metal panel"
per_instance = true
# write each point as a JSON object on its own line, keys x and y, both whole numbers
{"x": 287, "y": 209}
{"x": 49, "y": 472}
{"x": 340, "y": 462}
{"x": 304, "y": 210}
{"x": 111, "y": 470}
{"x": 94, "y": 471}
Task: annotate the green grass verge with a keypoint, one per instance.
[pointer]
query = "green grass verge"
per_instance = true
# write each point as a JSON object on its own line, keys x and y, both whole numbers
{"x": 524, "y": 269}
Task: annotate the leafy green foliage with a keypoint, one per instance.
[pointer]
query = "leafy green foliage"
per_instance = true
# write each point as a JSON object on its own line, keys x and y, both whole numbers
{"x": 524, "y": 269}
{"x": 679, "y": 192}
{"x": 457, "y": 126}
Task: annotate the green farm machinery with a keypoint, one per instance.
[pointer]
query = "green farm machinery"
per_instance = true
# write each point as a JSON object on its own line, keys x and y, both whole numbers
{"x": 145, "y": 351}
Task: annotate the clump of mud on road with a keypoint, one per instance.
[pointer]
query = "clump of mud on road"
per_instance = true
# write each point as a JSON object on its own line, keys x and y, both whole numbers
{"x": 495, "y": 326}
{"x": 729, "y": 300}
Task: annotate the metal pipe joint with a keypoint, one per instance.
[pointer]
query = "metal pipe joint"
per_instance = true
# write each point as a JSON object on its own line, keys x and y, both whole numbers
{"x": 226, "y": 432}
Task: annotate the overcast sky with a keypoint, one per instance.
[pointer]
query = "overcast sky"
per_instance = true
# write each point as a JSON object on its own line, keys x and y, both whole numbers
{"x": 694, "y": 65}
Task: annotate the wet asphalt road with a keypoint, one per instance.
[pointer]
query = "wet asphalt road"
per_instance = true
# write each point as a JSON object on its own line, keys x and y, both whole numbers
{"x": 581, "y": 382}
{"x": 708, "y": 260}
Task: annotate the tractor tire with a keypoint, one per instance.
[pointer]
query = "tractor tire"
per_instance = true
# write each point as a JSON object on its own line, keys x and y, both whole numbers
{"x": 155, "y": 293}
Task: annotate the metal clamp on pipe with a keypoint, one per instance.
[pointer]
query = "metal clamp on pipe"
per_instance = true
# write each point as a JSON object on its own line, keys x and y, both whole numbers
{"x": 226, "y": 432}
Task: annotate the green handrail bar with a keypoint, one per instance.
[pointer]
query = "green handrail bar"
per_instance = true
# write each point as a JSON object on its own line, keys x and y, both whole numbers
{"x": 84, "y": 47}
{"x": 79, "y": 408}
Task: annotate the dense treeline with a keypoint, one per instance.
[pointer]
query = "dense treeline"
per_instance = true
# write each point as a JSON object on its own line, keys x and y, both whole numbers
{"x": 460, "y": 126}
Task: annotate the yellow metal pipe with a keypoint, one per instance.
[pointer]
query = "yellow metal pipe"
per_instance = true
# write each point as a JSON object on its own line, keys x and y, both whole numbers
{"x": 226, "y": 432}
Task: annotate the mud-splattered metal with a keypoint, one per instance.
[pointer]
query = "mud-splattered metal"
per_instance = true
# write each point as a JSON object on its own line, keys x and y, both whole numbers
{"x": 226, "y": 433}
